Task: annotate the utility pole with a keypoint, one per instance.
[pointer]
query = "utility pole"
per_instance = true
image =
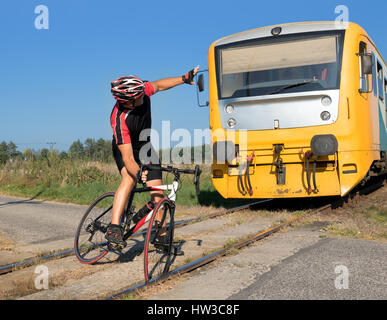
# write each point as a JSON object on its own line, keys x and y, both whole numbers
{"x": 51, "y": 145}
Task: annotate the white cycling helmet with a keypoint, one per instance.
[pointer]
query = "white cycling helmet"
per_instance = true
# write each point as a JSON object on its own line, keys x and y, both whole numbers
{"x": 127, "y": 88}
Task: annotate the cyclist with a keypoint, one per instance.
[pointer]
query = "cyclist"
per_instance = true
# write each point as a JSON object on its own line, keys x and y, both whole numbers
{"x": 131, "y": 115}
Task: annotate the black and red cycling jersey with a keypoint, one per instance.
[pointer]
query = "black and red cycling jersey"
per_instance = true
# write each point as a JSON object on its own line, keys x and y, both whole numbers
{"x": 127, "y": 124}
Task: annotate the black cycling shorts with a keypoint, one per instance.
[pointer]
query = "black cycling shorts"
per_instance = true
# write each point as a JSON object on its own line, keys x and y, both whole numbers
{"x": 150, "y": 157}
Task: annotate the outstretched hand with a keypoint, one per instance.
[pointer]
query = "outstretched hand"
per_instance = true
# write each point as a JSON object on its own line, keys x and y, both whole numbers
{"x": 188, "y": 77}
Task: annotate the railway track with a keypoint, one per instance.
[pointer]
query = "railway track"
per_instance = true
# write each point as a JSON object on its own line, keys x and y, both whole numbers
{"x": 215, "y": 255}
{"x": 364, "y": 190}
{"x": 68, "y": 252}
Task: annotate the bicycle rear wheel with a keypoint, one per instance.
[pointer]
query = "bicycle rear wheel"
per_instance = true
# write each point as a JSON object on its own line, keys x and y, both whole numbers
{"x": 90, "y": 244}
{"x": 158, "y": 259}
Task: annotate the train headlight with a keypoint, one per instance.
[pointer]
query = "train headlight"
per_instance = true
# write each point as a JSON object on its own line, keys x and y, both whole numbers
{"x": 326, "y": 101}
{"x": 324, "y": 145}
{"x": 325, "y": 115}
{"x": 231, "y": 123}
{"x": 229, "y": 108}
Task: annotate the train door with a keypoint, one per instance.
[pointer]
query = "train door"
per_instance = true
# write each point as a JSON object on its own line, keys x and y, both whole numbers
{"x": 380, "y": 84}
{"x": 364, "y": 77}
{"x": 385, "y": 96}
{"x": 381, "y": 93}
{"x": 369, "y": 111}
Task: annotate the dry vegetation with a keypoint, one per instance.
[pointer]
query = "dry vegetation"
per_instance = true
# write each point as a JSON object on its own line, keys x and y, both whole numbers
{"x": 362, "y": 218}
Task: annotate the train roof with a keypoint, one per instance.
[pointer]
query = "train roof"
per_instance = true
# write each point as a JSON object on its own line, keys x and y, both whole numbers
{"x": 291, "y": 28}
{"x": 287, "y": 28}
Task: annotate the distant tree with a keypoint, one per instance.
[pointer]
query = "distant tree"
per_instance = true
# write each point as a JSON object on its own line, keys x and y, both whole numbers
{"x": 76, "y": 150}
{"x": 28, "y": 154}
{"x": 44, "y": 153}
{"x": 90, "y": 148}
{"x": 8, "y": 151}
{"x": 4, "y": 155}
{"x": 12, "y": 150}
{"x": 63, "y": 155}
{"x": 101, "y": 150}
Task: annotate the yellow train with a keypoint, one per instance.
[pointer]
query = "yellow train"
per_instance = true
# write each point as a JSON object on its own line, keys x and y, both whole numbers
{"x": 296, "y": 110}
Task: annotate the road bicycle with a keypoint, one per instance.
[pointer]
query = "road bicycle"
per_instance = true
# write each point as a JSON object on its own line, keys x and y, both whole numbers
{"x": 90, "y": 244}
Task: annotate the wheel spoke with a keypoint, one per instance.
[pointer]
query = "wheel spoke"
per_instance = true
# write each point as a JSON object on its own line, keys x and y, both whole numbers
{"x": 90, "y": 243}
{"x": 158, "y": 242}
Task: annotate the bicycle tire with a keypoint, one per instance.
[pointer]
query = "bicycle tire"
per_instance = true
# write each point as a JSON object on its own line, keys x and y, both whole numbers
{"x": 158, "y": 261}
{"x": 90, "y": 244}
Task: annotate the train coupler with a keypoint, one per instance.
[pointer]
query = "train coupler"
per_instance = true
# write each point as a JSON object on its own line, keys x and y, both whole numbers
{"x": 280, "y": 169}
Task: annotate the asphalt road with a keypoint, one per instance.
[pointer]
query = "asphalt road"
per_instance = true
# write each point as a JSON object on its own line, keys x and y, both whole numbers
{"x": 349, "y": 269}
{"x": 34, "y": 221}
{"x": 301, "y": 264}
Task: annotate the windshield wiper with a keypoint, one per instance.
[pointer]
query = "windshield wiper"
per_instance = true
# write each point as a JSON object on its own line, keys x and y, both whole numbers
{"x": 297, "y": 84}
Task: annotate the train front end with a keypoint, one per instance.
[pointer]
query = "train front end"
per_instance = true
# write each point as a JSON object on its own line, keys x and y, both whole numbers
{"x": 278, "y": 113}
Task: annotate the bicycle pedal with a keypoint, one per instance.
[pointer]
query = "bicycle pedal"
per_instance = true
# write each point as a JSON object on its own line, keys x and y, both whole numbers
{"x": 116, "y": 247}
{"x": 177, "y": 251}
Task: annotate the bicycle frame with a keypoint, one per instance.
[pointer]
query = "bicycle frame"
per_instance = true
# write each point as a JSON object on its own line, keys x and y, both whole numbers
{"x": 167, "y": 204}
{"x": 171, "y": 196}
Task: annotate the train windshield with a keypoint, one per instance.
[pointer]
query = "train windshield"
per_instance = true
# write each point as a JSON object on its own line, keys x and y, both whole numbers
{"x": 283, "y": 64}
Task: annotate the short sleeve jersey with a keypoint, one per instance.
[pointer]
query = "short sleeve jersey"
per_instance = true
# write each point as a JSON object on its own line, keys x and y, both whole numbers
{"x": 127, "y": 124}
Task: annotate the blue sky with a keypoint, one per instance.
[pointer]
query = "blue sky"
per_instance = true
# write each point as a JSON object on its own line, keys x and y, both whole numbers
{"x": 54, "y": 84}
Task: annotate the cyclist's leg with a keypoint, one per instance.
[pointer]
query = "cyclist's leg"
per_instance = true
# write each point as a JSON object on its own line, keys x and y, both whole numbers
{"x": 114, "y": 232}
{"x": 154, "y": 177}
{"x": 122, "y": 196}
{"x": 156, "y": 195}
{"x": 124, "y": 189}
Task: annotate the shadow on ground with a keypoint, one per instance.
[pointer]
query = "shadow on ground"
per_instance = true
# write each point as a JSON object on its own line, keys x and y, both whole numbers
{"x": 5, "y": 204}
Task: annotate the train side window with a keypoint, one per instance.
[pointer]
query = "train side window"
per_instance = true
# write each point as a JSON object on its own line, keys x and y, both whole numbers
{"x": 385, "y": 91}
{"x": 385, "y": 94}
{"x": 379, "y": 73}
{"x": 374, "y": 80}
{"x": 364, "y": 68}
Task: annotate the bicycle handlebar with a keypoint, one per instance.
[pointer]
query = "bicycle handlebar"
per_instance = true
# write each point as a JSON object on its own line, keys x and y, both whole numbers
{"x": 196, "y": 172}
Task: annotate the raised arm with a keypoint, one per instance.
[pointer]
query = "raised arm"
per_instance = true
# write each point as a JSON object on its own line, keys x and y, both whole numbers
{"x": 129, "y": 161}
{"x": 168, "y": 83}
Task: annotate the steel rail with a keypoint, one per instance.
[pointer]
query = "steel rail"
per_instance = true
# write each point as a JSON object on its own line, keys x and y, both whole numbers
{"x": 215, "y": 255}
{"x": 68, "y": 252}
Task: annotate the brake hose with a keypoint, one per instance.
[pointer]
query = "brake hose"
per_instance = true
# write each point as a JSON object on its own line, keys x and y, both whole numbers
{"x": 314, "y": 176}
{"x": 241, "y": 187}
{"x": 308, "y": 155}
{"x": 249, "y": 160}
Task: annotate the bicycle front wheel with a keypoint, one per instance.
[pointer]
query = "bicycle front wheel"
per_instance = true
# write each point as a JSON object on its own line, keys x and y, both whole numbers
{"x": 90, "y": 244}
{"x": 158, "y": 256}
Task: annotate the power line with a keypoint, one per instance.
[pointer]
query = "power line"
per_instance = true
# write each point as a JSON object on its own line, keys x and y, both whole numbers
{"x": 51, "y": 145}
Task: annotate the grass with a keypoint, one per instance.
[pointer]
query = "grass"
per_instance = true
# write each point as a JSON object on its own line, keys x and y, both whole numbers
{"x": 67, "y": 181}
{"x": 368, "y": 223}
{"x": 379, "y": 215}
{"x": 81, "y": 182}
